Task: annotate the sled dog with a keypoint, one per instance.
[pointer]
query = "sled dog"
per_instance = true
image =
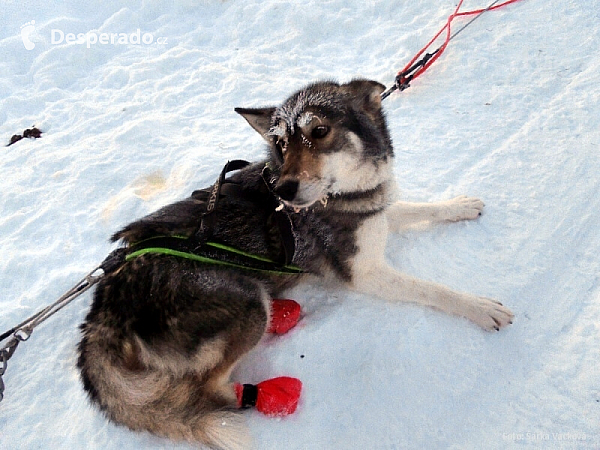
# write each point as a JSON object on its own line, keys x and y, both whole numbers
{"x": 164, "y": 332}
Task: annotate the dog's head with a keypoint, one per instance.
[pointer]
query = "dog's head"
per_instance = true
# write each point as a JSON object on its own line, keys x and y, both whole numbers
{"x": 326, "y": 139}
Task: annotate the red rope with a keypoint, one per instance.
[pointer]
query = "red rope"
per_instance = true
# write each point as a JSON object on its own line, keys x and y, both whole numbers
{"x": 400, "y": 76}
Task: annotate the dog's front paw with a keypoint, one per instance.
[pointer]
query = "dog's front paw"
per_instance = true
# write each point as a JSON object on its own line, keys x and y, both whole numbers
{"x": 463, "y": 208}
{"x": 490, "y": 314}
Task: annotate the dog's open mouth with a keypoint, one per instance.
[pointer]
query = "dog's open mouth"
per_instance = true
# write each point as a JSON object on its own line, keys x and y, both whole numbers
{"x": 297, "y": 207}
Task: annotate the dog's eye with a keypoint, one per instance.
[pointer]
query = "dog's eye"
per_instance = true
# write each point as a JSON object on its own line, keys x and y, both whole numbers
{"x": 319, "y": 132}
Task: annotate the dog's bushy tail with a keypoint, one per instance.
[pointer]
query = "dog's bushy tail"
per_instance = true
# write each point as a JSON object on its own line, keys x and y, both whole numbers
{"x": 221, "y": 429}
{"x": 197, "y": 422}
{"x": 225, "y": 430}
{"x": 179, "y": 408}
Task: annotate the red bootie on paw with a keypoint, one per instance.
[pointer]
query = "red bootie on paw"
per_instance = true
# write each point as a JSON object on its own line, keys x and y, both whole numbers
{"x": 274, "y": 397}
{"x": 284, "y": 316}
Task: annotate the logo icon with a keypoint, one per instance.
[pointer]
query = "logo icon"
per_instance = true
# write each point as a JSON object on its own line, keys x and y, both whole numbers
{"x": 27, "y": 30}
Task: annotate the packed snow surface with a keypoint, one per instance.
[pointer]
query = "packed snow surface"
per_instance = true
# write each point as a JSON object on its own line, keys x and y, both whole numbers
{"x": 510, "y": 113}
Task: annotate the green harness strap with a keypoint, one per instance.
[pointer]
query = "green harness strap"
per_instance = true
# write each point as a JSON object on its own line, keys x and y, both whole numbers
{"x": 209, "y": 253}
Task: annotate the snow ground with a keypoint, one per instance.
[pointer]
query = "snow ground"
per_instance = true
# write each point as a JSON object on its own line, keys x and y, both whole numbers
{"x": 510, "y": 113}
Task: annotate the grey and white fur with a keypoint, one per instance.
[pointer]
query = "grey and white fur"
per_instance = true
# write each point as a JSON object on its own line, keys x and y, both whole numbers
{"x": 164, "y": 333}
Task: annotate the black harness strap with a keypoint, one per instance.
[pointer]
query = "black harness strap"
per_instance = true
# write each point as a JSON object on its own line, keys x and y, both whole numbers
{"x": 209, "y": 218}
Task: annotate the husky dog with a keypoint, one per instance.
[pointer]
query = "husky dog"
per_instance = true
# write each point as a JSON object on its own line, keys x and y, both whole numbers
{"x": 164, "y": 333}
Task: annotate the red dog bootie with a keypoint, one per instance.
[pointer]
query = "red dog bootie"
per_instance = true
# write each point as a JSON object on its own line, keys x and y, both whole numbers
{"x": 285, "y": 314}
{"x": 274, "y": 397}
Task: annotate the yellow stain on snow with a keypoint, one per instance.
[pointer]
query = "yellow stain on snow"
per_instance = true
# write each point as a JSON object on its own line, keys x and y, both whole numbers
{"x": 146, "y": 187}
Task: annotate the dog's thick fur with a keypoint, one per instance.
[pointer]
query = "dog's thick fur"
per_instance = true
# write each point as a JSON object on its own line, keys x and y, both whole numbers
{"x": 164, "y": 333}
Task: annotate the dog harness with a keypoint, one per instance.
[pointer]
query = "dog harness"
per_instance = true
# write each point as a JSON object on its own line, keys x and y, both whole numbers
{"x": 198, "y": 247}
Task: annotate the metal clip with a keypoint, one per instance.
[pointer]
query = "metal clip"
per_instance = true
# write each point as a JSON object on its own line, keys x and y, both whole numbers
{"x": 22, "y": 334}
{"x": 5, "y": 354}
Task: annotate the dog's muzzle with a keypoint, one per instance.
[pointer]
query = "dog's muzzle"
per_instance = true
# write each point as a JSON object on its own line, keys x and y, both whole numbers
{"x": 287, "y": 190}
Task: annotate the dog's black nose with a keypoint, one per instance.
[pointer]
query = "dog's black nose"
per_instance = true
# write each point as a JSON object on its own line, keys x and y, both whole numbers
{"x": 287, "y": 190}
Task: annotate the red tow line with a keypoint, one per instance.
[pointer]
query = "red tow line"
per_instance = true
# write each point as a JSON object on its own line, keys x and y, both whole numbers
{"x": 417, "y": 66}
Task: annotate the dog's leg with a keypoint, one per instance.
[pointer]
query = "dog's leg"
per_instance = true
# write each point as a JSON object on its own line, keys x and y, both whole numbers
{"x": 372, "y": 275}
{"x": 219, "y": 383}
{"x": 385, "y": 282}
{"x": 403, "y": 214}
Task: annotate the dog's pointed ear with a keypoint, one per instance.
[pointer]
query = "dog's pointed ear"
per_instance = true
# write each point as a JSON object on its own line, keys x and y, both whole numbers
{"x": 258, "y": 118}
{"x": 367, "y": 94}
